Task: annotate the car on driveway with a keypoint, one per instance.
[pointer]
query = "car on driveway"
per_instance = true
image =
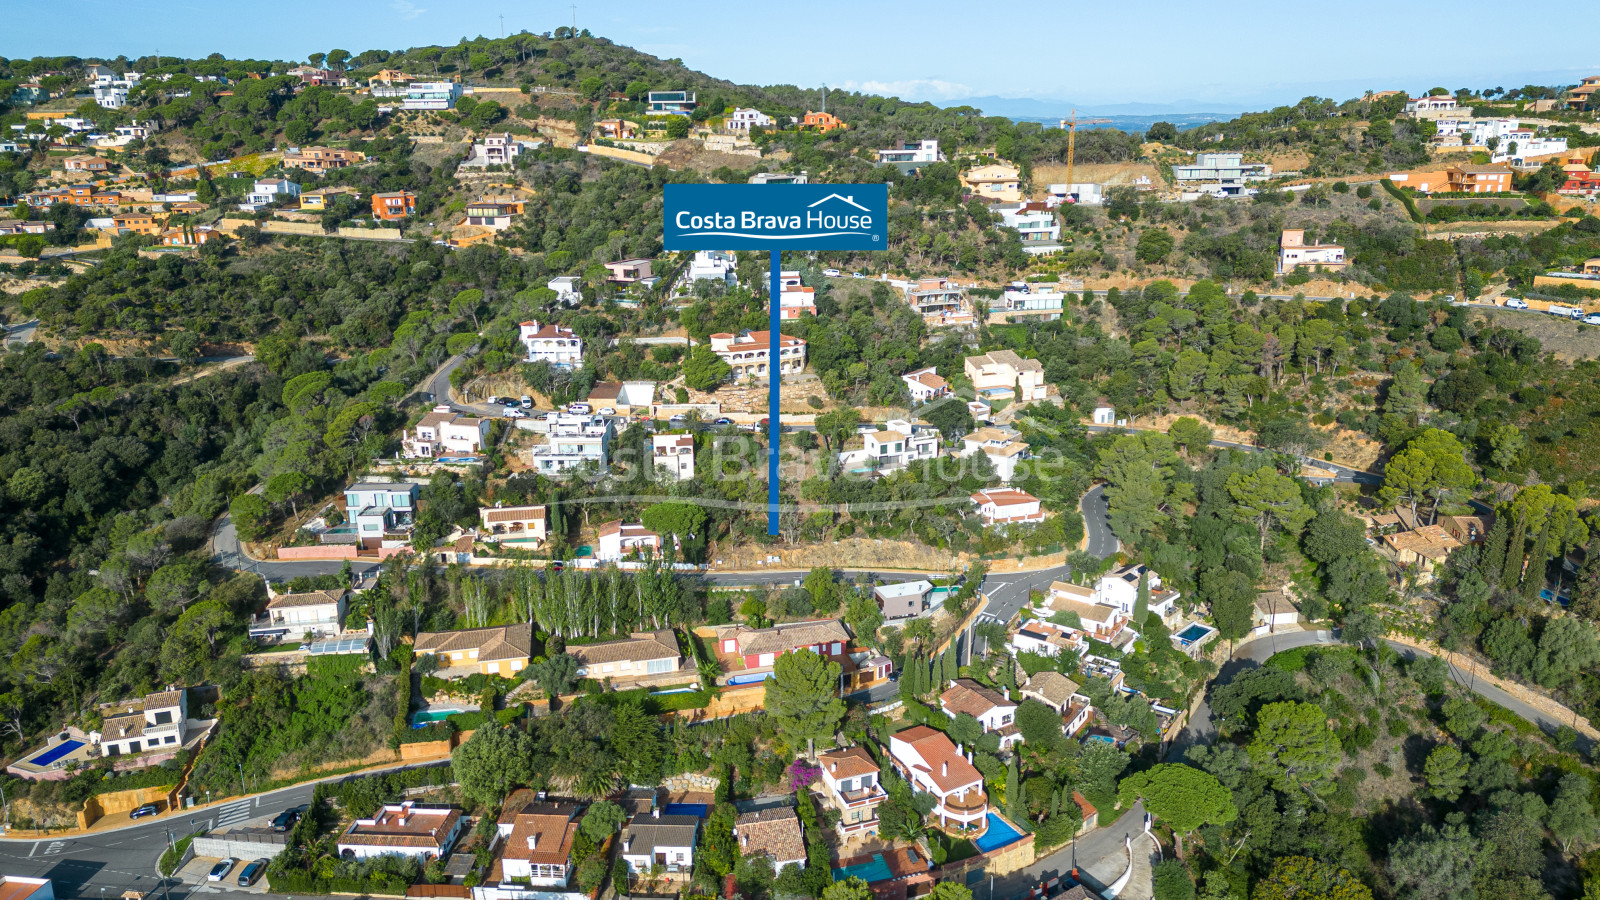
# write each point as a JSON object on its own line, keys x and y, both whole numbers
{"x": 221, "y": 869}
{"x": 1516, "y": 303}
{"x": 285, "y": 820}
{"x": 608, "y": 411}
{"x": 149, "y": 809}
{"x": 252, "y": 872}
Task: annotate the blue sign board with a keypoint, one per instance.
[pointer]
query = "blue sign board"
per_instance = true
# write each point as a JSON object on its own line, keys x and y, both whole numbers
{"x": 776, "y": 217}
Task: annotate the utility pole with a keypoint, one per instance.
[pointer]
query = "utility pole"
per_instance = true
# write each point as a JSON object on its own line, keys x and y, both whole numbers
{"x": 502, "y": 26}
{"x": 574, "y": 20}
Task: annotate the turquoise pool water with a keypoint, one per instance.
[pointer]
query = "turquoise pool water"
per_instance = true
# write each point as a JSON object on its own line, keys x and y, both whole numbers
{"x": 999, "y": 834}
{"x": 877, "y": 870}
{"x": 429, "y": 716}
{"x": 749, "y": 679}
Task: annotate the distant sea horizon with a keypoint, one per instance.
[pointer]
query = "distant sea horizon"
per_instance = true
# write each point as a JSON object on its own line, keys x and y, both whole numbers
{"x": 1183, "y": 121}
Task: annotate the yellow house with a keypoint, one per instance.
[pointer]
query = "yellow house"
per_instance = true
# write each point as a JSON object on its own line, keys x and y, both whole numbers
{"x": 994, "y": 182}
{"x": 500, "y": 650}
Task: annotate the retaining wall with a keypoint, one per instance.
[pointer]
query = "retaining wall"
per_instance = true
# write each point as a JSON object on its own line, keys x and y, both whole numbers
{"x": 240, "y": 845}
{"x": 119, "y": 801}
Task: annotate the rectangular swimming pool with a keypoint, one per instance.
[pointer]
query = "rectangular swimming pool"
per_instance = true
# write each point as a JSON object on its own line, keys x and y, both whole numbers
{"x": 999, "y": 834}
{"x": 698, "y": 810}
{"x": 877, "y": 870}
{"x": 1193, "y": 633}
{"x": 55, "y": 753}
{"x": 749, "y": 679}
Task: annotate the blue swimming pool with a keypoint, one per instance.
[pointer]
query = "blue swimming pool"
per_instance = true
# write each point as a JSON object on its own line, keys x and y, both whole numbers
{"x": 749, "y": 679}
{"x": 698, "y": 810}
{"x": 1193, "y": 633}
{"x": 424, "y": 717}
{"x": 877, "y": 870}
{"x": 55, "y": 753}
{"x": 999, "y": 834}
{"x": 1102, "y": 738}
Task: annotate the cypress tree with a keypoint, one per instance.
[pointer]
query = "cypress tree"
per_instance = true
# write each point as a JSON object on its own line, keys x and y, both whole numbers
{"x": 1511, "y": 574}
{"x": 1013, "y": 789}
{"x": 1010, "y": 666}
{"x": 1533, "y": 576}
{"x": 1494, "y": 551}
{"x": 952, "y": 664}
{"x": 1141, "y": 606}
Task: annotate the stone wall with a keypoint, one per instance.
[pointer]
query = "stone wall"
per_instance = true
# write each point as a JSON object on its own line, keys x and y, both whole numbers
{"x": 240, "y": 845}
{"x": 692, "y": 781}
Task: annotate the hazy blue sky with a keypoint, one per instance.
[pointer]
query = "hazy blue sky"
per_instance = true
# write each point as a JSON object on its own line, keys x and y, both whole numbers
{"x": 1243, "y": 54}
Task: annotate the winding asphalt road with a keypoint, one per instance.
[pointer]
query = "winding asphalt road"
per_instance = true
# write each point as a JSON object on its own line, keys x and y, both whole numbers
{"x": 1253, "y": 653}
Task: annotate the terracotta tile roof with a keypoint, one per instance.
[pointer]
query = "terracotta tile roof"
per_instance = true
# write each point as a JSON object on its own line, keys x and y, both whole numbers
{"x": 160, "y": 699}
{"x": 552, "y": 834}
{"x": 1430, "y": 541}
{"x": 938, "y": 752}
{"x": 639, "y": 647}
{"x": 550, "y": 331}
{"x": 1052, "y": 687}
{"x": 403, "y": 825}
{"x": 494, "y": 643}
{"x": 605, "y": 390}
{"x": 773, "y": 832}
{"x": 631, "y": 531}
{"x": 781, "y": 638}
{"x": 513, "y": 514}
{"x": 309, "y": 598}
{"x": 1005, "y": 497}
{"x": 968, "y": 696}
{"x": 1008, "y": 358}
{"x": 850, "y": 762}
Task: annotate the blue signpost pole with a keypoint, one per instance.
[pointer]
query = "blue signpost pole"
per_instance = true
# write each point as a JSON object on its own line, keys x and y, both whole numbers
{"x": 774, "y": 381}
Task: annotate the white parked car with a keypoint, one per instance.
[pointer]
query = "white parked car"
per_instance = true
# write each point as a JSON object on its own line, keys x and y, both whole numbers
{"x": 608, "y": 411}
{"x": 857, "y": 275}
{"x": 678, "y": 419}
{"x": 1516, "y": 303}
{"x": 527, "y": 402}
{"x": 1592, "y": 319}
{"x": 831, "y": 273}
{"x": 221, "y": 869}
{"x": 579, "y": 409}
{"x": 511, "y": 412}
{"x": 493, "y": 401}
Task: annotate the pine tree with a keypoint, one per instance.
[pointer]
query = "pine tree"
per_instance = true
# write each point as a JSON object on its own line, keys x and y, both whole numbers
{"x": 1533, "y": 576}
{"x": 1494, "y": 551}
{"x": 1013, "y": 790}
{"x": 1586, "y": 593}
{"x": 1511, "y": 574}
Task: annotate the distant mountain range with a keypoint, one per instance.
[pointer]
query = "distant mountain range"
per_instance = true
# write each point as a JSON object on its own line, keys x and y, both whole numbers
{"x": 1124, "y": 116}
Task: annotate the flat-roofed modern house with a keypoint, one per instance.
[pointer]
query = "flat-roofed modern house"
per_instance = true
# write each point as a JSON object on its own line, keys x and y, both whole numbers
{"x": 908, "y": 598}
{"x": 670, "y": 103}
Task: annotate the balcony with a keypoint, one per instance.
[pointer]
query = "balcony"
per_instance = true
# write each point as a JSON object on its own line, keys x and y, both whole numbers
{"x": 973, "y": 805}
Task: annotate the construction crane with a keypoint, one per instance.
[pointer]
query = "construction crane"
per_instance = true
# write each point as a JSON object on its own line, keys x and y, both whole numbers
{"x": 1071, "y": 125}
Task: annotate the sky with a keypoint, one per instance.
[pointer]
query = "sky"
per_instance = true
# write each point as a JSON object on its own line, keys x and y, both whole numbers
{"x": 1178, "y": 56}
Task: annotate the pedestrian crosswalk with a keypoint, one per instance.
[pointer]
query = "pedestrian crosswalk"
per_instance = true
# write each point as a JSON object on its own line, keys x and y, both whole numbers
{"x": 233, "y": 813}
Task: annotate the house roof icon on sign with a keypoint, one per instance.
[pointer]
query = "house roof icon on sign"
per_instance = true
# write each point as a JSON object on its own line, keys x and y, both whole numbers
{"x": 850, "y": 200}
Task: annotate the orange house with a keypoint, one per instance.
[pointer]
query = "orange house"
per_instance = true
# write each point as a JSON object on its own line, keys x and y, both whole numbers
{"x": 136, "y": 222}
{"x": 823, "y": 121}
{"x": 395, "y": 205}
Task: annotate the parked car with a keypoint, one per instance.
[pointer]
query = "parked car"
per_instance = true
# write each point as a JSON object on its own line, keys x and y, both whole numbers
{"x": 1592, "y": 319}
{"x": 857, "y": 275}
{"x": 1516, "y": 303}
{"x": 493, "y": 401}
{"x": 149, "y": 809}
{"x": 831, "y": 273}
{"x": 252, "y": 872}
{"x": 608, "y": 411}
{"x": 285, "y": 820}
{"x": 511, "y": 412}
{"x": 678, "y": 419}
{"x": 579, "y": 409}
{"x": 220, "y": 870}
{"x": 723, "y": 421}
{"x": 527, "y": 402}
